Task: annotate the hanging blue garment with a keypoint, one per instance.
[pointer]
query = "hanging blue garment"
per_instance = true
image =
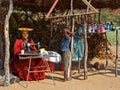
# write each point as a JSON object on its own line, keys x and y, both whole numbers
{"x": 78, "y": 45}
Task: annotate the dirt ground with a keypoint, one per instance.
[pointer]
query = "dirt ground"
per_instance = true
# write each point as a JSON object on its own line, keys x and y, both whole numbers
{"x": 100, "y": 80}
{"x": 97, "y": 80}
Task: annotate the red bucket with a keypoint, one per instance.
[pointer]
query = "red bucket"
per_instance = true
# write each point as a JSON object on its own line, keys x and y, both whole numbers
{"x": 61, "y": 67}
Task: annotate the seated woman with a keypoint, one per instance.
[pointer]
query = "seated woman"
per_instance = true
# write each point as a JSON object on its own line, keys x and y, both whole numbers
{"x": 20, "y": 67}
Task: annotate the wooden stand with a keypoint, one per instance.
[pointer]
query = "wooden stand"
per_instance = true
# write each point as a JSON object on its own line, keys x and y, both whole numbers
{"x": 36, "y": 56}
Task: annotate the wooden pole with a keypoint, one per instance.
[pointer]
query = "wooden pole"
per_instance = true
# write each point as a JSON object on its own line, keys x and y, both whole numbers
{"x": 7, "y": 44}
{"x": 86, "y": 48}
{"x": 51, "y": 9}
{"x": 85, "y": 42}
{"x": 70, "y": 61}
{"x": 79, "y": 64}
{"x": 116, "y": 60}
{"x": 1, "y": 33}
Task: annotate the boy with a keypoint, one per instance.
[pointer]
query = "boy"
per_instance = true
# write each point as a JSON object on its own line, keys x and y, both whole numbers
{"x": 66, "y": 55}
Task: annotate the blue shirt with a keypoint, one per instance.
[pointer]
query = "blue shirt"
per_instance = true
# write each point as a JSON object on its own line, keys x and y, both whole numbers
{"x": 65, "y": 44}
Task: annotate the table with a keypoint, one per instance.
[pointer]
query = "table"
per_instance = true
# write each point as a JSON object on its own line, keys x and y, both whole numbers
{"x": 36, "y": 56}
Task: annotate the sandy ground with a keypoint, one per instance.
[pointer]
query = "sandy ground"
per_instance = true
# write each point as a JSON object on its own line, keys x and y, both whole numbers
{"x": 97, "y": 80}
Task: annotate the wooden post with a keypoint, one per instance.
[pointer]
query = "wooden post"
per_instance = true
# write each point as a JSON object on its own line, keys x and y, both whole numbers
{"x": 85, "y": 44}
{"x": 85, "y": 41}
{"x": 1, "y": 34}
{"x": 1, "y": 46}
{"x": 7, "y": 44}
{"x": 70, "y": 61}
{"x": 116, "y": 60}
{"x": 86, "y": 48}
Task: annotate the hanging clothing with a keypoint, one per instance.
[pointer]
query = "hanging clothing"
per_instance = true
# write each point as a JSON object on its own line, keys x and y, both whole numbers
{"x": 78, "y": 45}
{"x": 20, "y": 67}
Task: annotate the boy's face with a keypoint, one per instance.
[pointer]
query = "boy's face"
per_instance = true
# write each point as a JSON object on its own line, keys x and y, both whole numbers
{"x": 64, "y": 31}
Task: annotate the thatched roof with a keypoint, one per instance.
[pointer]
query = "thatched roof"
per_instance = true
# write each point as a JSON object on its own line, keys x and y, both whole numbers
{"x": 44, "y": 5}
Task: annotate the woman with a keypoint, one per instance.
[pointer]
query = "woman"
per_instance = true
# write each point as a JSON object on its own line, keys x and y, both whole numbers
{"x": 19, "y": 67}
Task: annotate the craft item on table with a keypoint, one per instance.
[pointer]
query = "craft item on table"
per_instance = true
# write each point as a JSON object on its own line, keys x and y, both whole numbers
{"x": 98, "y": 28}
{"x": 102, "y": 29}
{"x": 107, "y": 26}
{"x": 95, "y": 27}
{"x": 92, "y": 28}
{"x": 113, "y": 28}
{"x": 89, "y": 28}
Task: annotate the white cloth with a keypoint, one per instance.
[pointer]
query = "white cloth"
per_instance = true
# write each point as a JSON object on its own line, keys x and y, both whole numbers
{"x": 54, "y": 57}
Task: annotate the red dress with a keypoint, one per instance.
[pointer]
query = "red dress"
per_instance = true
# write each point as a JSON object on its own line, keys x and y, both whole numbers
{"x": 19, "y": 67}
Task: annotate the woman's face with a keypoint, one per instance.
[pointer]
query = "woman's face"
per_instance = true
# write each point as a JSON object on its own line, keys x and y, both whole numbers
{"x": 25, "y": 35}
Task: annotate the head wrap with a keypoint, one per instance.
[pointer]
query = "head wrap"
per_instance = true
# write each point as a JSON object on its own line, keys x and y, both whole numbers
{"x": 25, "y": 29}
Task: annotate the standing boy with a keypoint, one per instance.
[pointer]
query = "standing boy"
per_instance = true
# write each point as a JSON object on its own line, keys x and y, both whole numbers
{"x": 66, "y": 54}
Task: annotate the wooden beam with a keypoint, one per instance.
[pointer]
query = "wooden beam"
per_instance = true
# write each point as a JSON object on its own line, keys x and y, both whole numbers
{"x": 71, "y": 15}
{"x": 51, "y": 9}
{"x": 90, "y": 6}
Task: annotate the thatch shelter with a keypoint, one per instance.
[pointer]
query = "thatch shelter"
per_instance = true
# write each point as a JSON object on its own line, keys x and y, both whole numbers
{"x": 43, "y": 6}
{"x": 40, "y": 5}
